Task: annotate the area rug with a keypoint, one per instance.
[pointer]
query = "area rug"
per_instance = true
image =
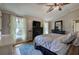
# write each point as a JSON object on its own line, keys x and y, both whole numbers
{"x": 28, "y": 49}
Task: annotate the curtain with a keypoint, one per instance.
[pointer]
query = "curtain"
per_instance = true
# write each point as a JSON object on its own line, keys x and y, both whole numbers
{"x": 5, "y": 24}
{"x": 24, "y": 30}
{"x": 13, "y": 27}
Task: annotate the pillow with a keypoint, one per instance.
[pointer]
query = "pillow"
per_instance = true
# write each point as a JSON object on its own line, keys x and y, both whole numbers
{"x": 69, "y": 38}
{"x": 76, "y": 41}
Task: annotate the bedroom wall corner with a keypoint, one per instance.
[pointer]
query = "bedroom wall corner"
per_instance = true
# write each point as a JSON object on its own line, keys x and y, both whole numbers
{"x": 68, "y": 20}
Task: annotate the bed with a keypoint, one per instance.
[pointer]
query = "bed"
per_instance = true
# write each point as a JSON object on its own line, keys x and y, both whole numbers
{"x": 56, "y": 43}
{"x": 47, "y": 38}
{"x": 50, "y": 44}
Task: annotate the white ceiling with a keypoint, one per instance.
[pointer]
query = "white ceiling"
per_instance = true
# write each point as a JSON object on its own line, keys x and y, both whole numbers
{"x": 38, "y": 10}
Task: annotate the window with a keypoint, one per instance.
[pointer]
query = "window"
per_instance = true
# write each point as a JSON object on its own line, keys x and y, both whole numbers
{"x": 46, "y": 28}
{"x": 20, "y": 28}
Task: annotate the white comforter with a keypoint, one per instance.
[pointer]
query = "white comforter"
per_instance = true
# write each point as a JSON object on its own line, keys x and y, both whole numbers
{"x": 58, "y": 47}
{"x": 47, "y": 38}
{"x": 52, "y": 42}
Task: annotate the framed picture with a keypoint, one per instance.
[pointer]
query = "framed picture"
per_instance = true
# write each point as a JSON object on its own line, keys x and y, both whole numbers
{"x": 58, "y": 25}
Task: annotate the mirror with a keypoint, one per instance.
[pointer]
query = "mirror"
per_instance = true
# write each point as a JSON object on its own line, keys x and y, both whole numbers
{"x": 58, "y": 25}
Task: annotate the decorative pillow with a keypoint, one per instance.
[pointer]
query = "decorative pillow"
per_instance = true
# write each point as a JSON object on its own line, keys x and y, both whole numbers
{"x": 69, "y": 38}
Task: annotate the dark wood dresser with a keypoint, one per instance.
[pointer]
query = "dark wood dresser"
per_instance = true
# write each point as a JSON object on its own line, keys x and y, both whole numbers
{"x": 37, "y": 31}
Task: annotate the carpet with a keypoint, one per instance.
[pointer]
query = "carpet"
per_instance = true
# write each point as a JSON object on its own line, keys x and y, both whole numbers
{"x": 27, "y": 49}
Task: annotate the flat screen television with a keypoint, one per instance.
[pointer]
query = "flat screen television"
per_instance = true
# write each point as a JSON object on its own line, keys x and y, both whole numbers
{"x": 36, "y": 23}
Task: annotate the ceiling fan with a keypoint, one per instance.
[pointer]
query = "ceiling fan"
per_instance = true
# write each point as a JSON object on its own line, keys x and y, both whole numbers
{"x": 52, "y": 6}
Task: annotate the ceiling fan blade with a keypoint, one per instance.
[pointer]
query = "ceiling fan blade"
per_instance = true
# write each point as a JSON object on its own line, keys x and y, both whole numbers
{"x": 65, "y": 3}
{"x": 41, "y": 3}
{"x": 50, "y": 9}
{"x": 60, "y": 6}
{"x": 49, "y": 5}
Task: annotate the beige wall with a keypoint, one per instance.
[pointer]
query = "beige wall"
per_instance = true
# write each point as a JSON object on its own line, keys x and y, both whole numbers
{"x": 0, "y": 20}
{"x": 68, "y": 20}
{"x": 0, "y": 23}
{"x": 0, "y": 28}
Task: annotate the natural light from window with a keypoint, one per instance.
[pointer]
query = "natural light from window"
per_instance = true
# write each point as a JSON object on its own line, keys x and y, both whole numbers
{"x": 45, "y": 27}
{"x": 20, "y": 26}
